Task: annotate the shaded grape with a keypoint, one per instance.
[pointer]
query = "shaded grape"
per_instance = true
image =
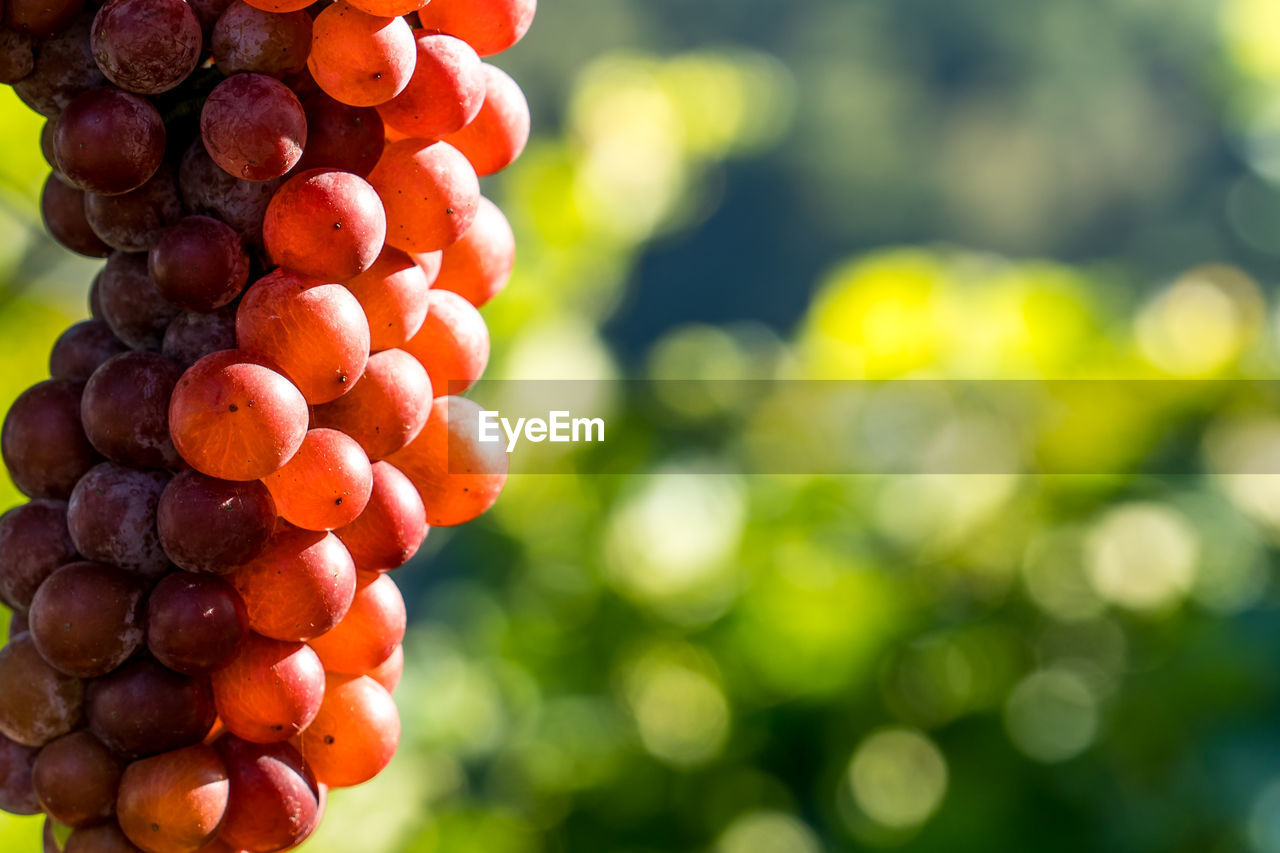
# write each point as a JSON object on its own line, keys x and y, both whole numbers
{"x": 253, "y": 127}
{"x": 17, "y": 56}
{"x": 195, "y": 623}
{"x": 64, "y": 68}
{"x": 133, "y": 221}
{"x": 17, "y": 794}
{"x": 214, "y": 526}
{"x": 340, "y": 136}
{"x": 109, "y": 141}
{"x": 76, "y": 779}
{"x": 87, "y": 618}
{"x": 112, "y": 518}
{"x": 146, "y": 46}
{"x": 194, "y": 334}
{"x": 131, "y": 304}
{"x": 248, "y": 39}
{"x": 62, "y": 209}
{"x": 82, "y": 349}
{"x": 125, "y": 409}
{"x": 199, "y": 264}
{"x": 145, "y": 709}
{"x": 43, "y": 442}
{"x": 37, "y": 703}
{"x": 34, "y": 542}
{"x": 207, "y": 189}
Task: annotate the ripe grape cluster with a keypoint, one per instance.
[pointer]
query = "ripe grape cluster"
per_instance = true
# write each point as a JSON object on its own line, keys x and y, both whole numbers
{"x": 259, "y": 422}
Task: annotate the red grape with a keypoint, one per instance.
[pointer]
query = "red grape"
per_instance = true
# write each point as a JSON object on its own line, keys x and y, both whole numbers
{"x": 386, "y": 409}
{"x": 299, "y": 587}
{"x": 340, "y": 136}
{"x": 132, "y": 306}
{"x": 316, "y": 333}
{"x": 458, "y": 476}
{"x": 250, "y": 39}
{"x": 356, "y": 733}
{"x": 146, "y": 46}
{"x": 199, "y": 264}
{"x": 499, "y": 132}
{"x": 125, "y": 409}
{"x": 194, "y": 334}
{"x": 478, "y": 266}
{"x": 17, "y": 794}
{"x": 109, "y": 141}
{"x": 43, "y": 441}
{"x": 76, "y": 779}
{"x": 102, "y": 838}
{"x": 207, "y": 189}
{"x": 208, "y": 12}
{"x": 445, "y": 92}
{"x": 270, "y": 691}
{"x": 145, "y": 709}
{"x": 233, "y": 418}
{"x": 253, "y": 127}
{"x": 453, "y": 343}
{"x": 429, "y": 191}
{"x": 37, "y": 703}
{"x": 325, "y": 485}
{"x": 64, "y": 68}
{"x": 275, "y": 799}
{"x": 389, "y": 672}
{"x": 41, "y": 18}
{"x": 360, "y": 59}
{"x": 393, "y": 293}
{"x": 17, "y": 56}
{"x": 112, "y": 518}
{"x": 371, "y": 631}
{"x": 86, "y": 619}
{"x": 195, "y": 623}
{"x": 62, "y": 208}
{"x": 34, "y": 542}
{"x": 132, "y": 222}
{"x": 392, "y": 527}
{"x": 490, "y": 26}
{"x": 214, "y": 526}
{"x": 326, "y": 224}
{"x": 176, "y": 801}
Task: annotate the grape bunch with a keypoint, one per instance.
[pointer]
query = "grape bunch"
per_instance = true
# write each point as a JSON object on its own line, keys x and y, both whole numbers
{"x": 261, "y": 420}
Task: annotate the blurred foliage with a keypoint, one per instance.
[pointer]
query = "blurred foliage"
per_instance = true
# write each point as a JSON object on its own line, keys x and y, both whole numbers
{"x": 689, "y": 656}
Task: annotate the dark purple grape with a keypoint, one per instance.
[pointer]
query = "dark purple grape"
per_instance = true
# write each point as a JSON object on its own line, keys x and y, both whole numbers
{"x": 46, "y": 144}
{"x": 40, "y": 18}
{"x": 274, "y": 802}
{"x": 82, "y": 348}
{"x": 146, "y": 46}
{"x": 214, "y": 526}
{"x": 112, "y": 518}
{"x": 195, "y": 623}
{"x": 34, "y": 542}
{"x": 43, "y": 442}
{"x": 145, "y": 709}
{"x": 103, "y": 838}
{"x": 50, "y": 838}
{"x": 17, "y": 56}
{"x": 86, "y": 619}
{"x": 76, "y": 779}
{"x": 131, "y": 305}
{"x": 249, "y": 39}
{"x": 17, "y": 623}
{"x": 199, "y": 264}
{"x": 132, "y": 222}
{"x": 208, "y": 190}
{"x": 208, "y": 12}
{"x": 193, "y": 335}
{"x": 341, "y": 137}
{"x": 62, "y": 207}
{"x": 37, "y": 703}
{"x": 17, "y": 794}
{"x": 109, "y": 141}
{"x": 64, "y": 68}
{"x": 95, "y": 298}
{"x": 125, "y": 409}
{"x": 253, "y": 127}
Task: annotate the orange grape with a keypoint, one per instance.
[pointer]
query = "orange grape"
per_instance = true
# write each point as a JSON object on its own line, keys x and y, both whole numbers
{"x": 430, "y": 193}
{"x": 234, "y": 418}
{"x": 270, "y": 691}
{"x": 325, "y": 485}
{"x": 360, "y": 59}
{"x": 392, "y": 527}
{"x": 387, "y": 409}
{"x": 458, "y": 476}
{"x": 388, "y": 672}
{"x": 324, "y": 223}
{"x": 445, "y": 92}
{"x": 299, "y": 587}
{"x": 355, "y": 735}
{"x": 175, "y": 802}
{"x": 393, "y": 294}
{"x": 371, "y": 631}
{"x": 453, "y": 343}
{"x": 498, "y": 134}
{"x": 478, "y": 266}
{"x": 490, "y": 26}
{"x": 315, "y": 332}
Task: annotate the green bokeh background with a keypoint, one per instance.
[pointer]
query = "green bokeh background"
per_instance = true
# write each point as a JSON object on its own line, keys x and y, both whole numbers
{"x": 672, "y": 660}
